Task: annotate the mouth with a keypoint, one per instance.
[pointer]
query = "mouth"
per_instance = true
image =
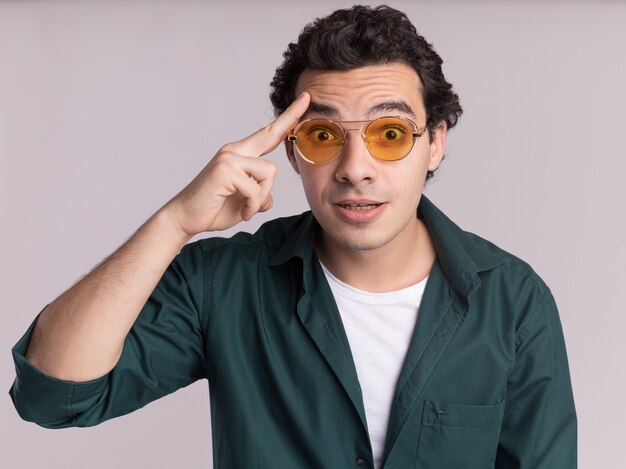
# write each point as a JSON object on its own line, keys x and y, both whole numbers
{"x": 360, "y": 210}
{"x": 359, "y": 206}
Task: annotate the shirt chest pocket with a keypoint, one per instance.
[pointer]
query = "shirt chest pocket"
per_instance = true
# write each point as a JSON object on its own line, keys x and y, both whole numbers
{"x": 456, "y": 436}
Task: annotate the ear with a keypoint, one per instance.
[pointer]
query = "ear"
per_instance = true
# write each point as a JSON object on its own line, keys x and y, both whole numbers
{"x": 289, "y": 149}
{"x": 437, "y": 145}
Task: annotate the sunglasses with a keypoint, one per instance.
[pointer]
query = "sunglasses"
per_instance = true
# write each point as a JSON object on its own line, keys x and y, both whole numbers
{"x": 388, "y": 138}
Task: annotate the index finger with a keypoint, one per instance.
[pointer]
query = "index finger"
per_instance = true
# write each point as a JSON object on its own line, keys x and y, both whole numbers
{"x": 269, "y": 137}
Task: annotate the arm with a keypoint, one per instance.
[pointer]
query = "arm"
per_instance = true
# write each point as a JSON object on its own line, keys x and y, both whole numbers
{"x": 539, "y": 427}
{"x": 80, "y": 335}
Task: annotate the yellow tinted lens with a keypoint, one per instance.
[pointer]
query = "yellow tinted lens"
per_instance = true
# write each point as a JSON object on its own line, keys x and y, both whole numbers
{"x": 389, "y": 138}
{"x": 319, "y": 140}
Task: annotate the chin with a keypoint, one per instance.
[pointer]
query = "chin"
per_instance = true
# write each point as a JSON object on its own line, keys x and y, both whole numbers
{"x": 360, "y": 243}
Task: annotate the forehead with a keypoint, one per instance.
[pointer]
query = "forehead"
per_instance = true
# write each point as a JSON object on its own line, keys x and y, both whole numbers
{"x": 361, "y": 92}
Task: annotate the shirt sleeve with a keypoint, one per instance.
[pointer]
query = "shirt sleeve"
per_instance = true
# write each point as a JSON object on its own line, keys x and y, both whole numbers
{"x": 164, "y": 351}
{"x": 539, "y": 429}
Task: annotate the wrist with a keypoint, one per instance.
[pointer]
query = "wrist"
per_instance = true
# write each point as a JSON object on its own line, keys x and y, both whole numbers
{"x": 168, "y": 224}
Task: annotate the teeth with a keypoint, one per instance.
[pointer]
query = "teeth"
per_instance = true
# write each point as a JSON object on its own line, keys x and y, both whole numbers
{"x": 359, "y": 206}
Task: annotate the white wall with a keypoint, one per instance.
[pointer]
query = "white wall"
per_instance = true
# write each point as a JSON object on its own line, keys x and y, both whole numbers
{"x": 107, "y": 109}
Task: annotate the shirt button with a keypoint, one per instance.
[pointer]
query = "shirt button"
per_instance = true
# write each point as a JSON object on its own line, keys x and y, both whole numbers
{"x": 360, "y": 460}
{"x": 440, "y": 415}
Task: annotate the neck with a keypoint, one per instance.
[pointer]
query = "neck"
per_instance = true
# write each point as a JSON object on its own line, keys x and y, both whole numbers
{"x": 403, "y": 262}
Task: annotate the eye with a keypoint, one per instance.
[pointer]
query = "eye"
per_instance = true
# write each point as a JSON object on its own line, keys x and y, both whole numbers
{"x": 391, "y": 133}
{"x": 321, "y": 135}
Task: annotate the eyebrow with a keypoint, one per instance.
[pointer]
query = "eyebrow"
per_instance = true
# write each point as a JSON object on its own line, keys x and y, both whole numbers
{"x": 393, "y": 106}
{"x": 387, "y": 106}
{"x": 322, "y": 109}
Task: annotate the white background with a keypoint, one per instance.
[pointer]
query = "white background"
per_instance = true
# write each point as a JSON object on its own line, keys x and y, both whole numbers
{"x": 107, "y": 109}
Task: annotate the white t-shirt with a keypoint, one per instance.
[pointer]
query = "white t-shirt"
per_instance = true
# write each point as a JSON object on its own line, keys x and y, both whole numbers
{"x": 379, "y": 327}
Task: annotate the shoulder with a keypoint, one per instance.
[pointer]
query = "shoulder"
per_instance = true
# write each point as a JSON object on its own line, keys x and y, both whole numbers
{"x": 508, "y": 266}
{"x": 266, "y": 241}
{"x": 513, "y": 288}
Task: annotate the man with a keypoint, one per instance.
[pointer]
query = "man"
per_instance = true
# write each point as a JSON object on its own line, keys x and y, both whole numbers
{"x": 369, "y": 332}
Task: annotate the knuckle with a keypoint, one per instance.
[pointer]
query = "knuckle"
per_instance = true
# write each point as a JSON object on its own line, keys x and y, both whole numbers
{"x": 220, "y": 157}
{"x": 221, "y": 166}
{"x": 268, "y": 166}
{"x": 273, "y": 168}
{"x": 226, "y": 148}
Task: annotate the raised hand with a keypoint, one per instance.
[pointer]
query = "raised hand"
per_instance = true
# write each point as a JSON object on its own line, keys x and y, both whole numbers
{"x": 236, "y": 183}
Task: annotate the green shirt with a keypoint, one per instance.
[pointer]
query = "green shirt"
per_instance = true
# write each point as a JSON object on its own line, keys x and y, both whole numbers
{"x": 485, "y": 382}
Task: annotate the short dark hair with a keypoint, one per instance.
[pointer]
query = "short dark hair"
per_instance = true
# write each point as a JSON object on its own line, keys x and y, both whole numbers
{"x": 360, "y": 36}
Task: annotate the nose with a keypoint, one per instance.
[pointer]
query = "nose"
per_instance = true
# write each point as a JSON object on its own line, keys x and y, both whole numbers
{"x": 355, "y": 165}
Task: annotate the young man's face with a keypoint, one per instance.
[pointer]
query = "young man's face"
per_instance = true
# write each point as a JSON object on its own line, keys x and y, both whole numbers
{"x": 387, "y": 192}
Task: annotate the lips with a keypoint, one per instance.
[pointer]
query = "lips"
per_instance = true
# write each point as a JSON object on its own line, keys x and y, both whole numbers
{"x": 360, "y": 210}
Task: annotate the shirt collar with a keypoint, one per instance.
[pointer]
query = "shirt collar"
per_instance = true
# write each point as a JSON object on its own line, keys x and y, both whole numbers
{"x": 300, "y": 242}
{"x": 462, "y": 255}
